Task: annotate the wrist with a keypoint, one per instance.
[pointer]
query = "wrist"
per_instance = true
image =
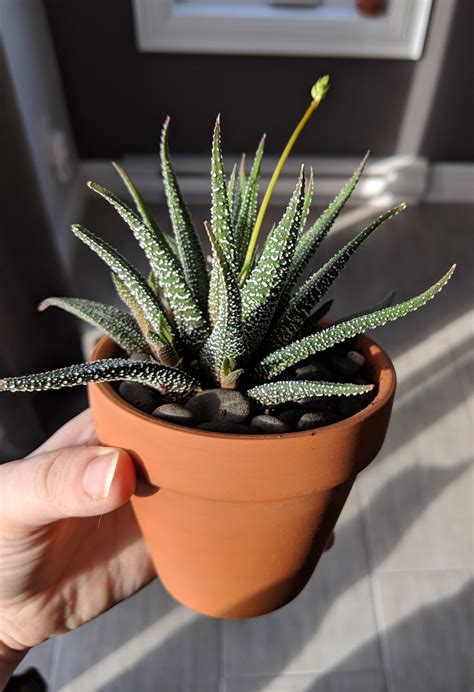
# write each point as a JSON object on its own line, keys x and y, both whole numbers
{"x": 9, "y": 660}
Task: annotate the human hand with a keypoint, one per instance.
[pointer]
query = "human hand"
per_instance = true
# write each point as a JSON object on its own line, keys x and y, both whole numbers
{"x": 70, "y": 546}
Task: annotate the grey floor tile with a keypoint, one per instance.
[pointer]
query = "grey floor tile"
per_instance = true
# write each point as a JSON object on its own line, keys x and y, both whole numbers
{"x": 429, "y": 630}
{"x": 424, "y": 473}
{"x": 147, "y": 643}
{"x": 333, "y": 615}
{"x": 42, "y": 658}
{"x": 356, "y": 681}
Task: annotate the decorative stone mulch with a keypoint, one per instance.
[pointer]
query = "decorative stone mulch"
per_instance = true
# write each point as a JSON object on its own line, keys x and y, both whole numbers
{"x": 231, "y": 411}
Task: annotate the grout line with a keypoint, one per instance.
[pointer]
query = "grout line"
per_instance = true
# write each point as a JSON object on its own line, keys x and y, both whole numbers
{"x": 408, "y": 570}
{"x": 384, "y": 645}
{"x": 376, "y": 598}
{"x": 296, "y": 673}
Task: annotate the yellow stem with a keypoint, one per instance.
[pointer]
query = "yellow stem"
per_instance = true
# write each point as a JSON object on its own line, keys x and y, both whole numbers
{"x": 271, "y": 185}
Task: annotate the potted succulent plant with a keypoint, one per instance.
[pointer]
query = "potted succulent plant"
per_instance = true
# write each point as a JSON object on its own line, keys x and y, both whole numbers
{"x": 243, "y": 406}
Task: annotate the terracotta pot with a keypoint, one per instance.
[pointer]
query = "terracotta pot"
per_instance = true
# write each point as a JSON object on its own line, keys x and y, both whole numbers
{"x": 238, "y": 522}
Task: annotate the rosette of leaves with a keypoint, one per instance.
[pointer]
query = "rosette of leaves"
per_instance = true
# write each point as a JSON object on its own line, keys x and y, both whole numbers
{"x": 242, "y": 323}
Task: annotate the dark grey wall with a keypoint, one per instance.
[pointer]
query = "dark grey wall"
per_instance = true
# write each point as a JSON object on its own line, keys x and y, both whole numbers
{"x": 119, "y": 97}
{"x": 30, "y": 270}
{"x": 449, "y": 135}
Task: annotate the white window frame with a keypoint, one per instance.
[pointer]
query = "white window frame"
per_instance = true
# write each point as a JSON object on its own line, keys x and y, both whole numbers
{"x": 263, "y": 29}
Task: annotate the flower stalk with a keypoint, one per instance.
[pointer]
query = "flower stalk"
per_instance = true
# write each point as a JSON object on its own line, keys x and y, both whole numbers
{"x": 318, "y": 93}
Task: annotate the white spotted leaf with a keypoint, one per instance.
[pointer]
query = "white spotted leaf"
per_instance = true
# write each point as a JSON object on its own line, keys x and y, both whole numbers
{"x": 190, "y": 321}
{"x": 313, "y": 237}
{"x": 262, "y": 289}
{"x": 171, "y": 382}
{"x": 312, "y": 291}
{"x": 248, "y": 208}
{"x": 225, "y": 349}
{"x": 274, "y": 393}
{"x": 221, "y": 222}
{"x": 282, "y": 359}
{"x": 187, "y": 241}
{"x": 120, "y": 326}
{"x": 129, "y": 276}
{"x": 141, "y": 207}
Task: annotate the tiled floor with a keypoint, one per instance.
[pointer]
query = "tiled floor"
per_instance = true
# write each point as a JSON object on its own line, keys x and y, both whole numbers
{"x": 390, "y": 608}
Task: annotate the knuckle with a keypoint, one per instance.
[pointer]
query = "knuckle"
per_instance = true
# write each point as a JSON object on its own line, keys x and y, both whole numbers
{"x": 50, "y": 478}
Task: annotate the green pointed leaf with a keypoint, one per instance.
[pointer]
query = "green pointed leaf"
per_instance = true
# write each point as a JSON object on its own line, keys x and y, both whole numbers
{"x": 248, "y": 210}
{"x": 308, "y": 199}
{"x": 130, "y": 277}
{"x": 122, "y": 328}
{"x": 161, "y": 348}
{"x": 143, "y": 210}
{"x": 225, "y": 348}
{"x": 384, "y": 303}
{"x": 162, "y": 342}
{"x": 132, "y": 304}
{"x": 152, "y": 283}
{"x": 172, "y": 244}
{"x": 165, "y": 332}
{"x": 286, "y": 357}
{"x": 312, "y": 323}
{"x": 233, "y": 195}
{"x": 187, "y": 314}
{"x": 313, "y": 237}
{"x": 228, "y": 365}
{"x": 262, "y": 289}
{"x": 274, "y": 393}
{"x": 221, "y": 222}
{"x": 171, "y": 382}
{"x": 242, "y": 176}
{"x": 236, "y": 189}
{"x": 311, "y": 292}
{"x": 141, "y": 207}
{"x": 189, "y": 247}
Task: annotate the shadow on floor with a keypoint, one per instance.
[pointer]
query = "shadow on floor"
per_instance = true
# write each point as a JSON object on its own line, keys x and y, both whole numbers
{"x": 454, "y": 672}
{"x": 342, "y": 579}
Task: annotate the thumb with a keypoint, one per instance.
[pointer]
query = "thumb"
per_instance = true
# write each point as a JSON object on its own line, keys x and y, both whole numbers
{"x": 70, "y": 482}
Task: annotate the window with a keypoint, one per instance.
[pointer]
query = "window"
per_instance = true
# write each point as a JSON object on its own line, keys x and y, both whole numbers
{"x": 297, "y": 27}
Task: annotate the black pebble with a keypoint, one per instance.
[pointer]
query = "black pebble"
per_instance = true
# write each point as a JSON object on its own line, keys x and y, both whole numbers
{"x": 315, "y": 372}
{"x": 349, "y": 406}
{"x": 219, "y": 404}
{"x": 291, "y": 416}
{"x": 140, "y": 396}
{"x": 174, "y": 413}
{"x": 311, "y": 420}
{"x": 269, "y": 425}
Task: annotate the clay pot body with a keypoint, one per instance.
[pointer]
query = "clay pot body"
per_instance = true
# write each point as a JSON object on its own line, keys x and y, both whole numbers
{"x": 238, "y": 522}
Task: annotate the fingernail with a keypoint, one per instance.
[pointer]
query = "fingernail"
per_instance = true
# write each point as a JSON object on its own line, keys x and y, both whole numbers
{"x": 100, "y": 472}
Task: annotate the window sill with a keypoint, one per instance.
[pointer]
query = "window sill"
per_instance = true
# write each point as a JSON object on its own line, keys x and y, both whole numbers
{"x": 254, "y": 29}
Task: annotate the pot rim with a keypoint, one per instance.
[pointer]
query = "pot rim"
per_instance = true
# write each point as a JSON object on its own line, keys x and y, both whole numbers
{"x": 386, "y": 388}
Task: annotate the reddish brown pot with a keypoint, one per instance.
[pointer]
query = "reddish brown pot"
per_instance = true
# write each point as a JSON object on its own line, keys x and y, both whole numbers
{"x": 239, "y": 522}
